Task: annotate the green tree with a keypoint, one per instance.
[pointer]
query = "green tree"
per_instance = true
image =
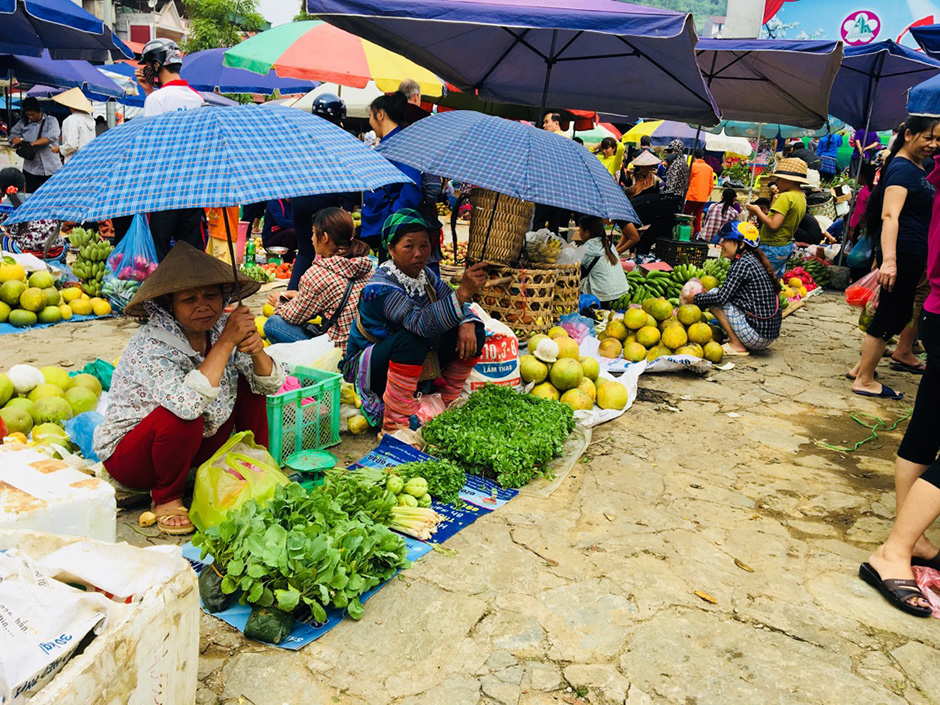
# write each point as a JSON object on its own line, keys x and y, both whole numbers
{"x": 220, "y": 23}
{"x": 303, "y": 15}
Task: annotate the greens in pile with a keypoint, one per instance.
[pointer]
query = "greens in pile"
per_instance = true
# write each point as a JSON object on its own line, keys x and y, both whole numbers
{"x": 500, "y": 433}
{"x": 445, "y": 479}
{"x": 317, "y": 550}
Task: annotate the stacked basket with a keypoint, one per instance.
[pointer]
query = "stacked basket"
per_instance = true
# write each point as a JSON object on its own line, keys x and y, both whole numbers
{"x": 523, "y": 299}
{"x": 498, "y": 224}
{"x": 567, "y": 286}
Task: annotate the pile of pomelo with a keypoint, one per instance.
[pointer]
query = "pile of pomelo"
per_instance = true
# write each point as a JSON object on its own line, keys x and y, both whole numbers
{"x": 657, "y": 329}
{"x": 554, "y": 364}
{"x": 26, "y": 301}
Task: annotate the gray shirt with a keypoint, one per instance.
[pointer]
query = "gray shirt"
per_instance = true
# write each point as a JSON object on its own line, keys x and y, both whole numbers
{"x": 46, "y": 162}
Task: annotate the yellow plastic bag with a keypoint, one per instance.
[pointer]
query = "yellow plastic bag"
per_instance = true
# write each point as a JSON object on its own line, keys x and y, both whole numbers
{"x": 240, "y": 470}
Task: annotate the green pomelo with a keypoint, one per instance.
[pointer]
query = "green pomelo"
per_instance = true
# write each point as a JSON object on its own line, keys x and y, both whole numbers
{"x": 52, "y": 410}
{"x": 4, "y": 312}
{"x": 43, "y": 391}
{"x": 16, "y": 419}
{"x": 41, "y": 280}
{"x": 566, "y": 373}
{"x": 10, "y": 292}
{"x": 33, "y": 300}
{"x": 20, "y": 403}
{"x": 590, "y": 367}
{"x": 6, "y": 389}
{"x": 81, "y": 400}
{"x": 661, "y": 309}
{"x": 59, "y": 376}
{"x": 50, "y": 314}
{"x": 52, "y": 296}
{"x": 88, "y": 382}
{"x": 22, "y": 319}
{"x": 532, "y": 369}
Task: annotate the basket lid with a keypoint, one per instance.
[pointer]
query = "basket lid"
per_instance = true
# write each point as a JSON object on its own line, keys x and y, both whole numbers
{"x": 311, "y": 461}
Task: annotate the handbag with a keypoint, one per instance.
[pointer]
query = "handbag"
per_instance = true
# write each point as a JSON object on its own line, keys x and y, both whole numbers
{"x": 314, "y": 330}
{"x": 25, "y": 150}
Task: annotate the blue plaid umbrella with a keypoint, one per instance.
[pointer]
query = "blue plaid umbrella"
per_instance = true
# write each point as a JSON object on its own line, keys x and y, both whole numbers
{"x": 207, "y": 157}
{"x": 512, "y": 158}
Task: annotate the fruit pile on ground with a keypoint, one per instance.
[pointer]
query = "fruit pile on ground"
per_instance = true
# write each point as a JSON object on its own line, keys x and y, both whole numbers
{"x": 91, "y": 264}
{"x": 278, "y": 271}
{"x": 658, "y": 328}
{"x": 668, "y": 285}
{"x": 26, "y": 301}
{"x": 816, "y": 268}
{"x": 257, "y": 272}
{"x": 797, "y": 283}
{"x": 447, "y": 254}
{"x": 38, "y": 403}
{"x": 560, "y": 373}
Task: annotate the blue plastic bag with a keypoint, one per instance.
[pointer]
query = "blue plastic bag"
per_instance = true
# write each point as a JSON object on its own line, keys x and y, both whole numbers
{"x": 81, "y": 430}
{"x": 130, "y": 264}
{"x": 860, "y": 256}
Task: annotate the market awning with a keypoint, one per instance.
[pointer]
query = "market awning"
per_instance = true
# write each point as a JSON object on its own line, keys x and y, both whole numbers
{"x": 64, "y": 74}
{"x": 588, "y": 54}
{"x": 769, "y": 80}
{"x": 64, "y": 28}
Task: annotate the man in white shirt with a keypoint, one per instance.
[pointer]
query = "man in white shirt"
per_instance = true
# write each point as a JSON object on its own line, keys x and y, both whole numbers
{"x": 159, "y": 76}
{"x": 78, "y": 129}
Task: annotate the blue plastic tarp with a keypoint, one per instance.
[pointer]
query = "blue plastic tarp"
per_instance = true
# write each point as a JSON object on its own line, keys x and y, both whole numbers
{"x": 204, "y": 71}
{"x": 598, "y": 55}
{"x": 770, "y": 80}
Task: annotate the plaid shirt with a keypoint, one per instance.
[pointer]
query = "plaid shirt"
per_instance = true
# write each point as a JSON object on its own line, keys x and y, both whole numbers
{"x": 749, "y": 287}
{"x": 321, "y": 290}
{"x": 716, "y": 217}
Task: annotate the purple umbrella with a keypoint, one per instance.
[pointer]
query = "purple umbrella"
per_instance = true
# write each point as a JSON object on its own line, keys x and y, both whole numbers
{"x": 64, "y": 74}
{"x": 589, "y": 54}
{"x": 204, "y": 71}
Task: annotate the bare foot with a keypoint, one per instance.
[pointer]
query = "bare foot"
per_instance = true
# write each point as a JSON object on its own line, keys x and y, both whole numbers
{"x": 872, "y": 386}
{"x": 895, "y": 566}
{"x": 910, "y": 359}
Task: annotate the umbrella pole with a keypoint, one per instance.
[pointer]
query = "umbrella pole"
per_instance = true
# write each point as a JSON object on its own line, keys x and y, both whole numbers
{"x": 750, "y": 188}
{"x": 9, "y": 98}
{"x": 231, "y": 253}
{"x": 698, "y": 132}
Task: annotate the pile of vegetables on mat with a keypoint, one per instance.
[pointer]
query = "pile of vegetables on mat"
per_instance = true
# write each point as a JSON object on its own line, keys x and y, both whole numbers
{"x": 302, "y": 553}
{"x": 501, "y": 434}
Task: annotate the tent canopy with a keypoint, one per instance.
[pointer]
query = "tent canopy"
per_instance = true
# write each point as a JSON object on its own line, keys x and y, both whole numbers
{"x": 768, "y": 80}
{"x": 586, "y": 54}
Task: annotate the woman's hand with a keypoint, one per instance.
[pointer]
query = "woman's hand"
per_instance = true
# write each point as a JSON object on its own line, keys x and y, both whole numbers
{"x": 252, "y": 344}
{"x": 472, "y": 281}
{"x": 275, "y": 298}
{"x": 467, "y": 340}
{"x": 239, "y": 325}
{"x": 55, "y": 148}
{"x": 888, "y": 274}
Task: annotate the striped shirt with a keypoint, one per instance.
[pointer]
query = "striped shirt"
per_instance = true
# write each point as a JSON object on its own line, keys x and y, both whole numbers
{"x": 750, "y": 288}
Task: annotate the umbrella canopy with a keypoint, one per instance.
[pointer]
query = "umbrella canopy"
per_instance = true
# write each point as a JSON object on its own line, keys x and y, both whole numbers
{"x": 205, "y": 71}
{"x": 871, "y": 88}
{"x": 316, "y": 51}
{"x": 456, "y": 99}
{"x": 769, "y": 130}
{"x": 207, "y": 157}
{"x": 928, "y": 37}
{"x": 599, "y": 55}
{"x": 924, "y": 98}
{"x": 27, "y": 27}
{"x": 768, "y": 80}
{"x": 510, "y": 158}
{"x": 662, "y": 132}
{"x": 62, "y": 73}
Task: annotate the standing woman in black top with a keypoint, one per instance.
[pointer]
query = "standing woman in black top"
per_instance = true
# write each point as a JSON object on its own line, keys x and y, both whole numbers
{"x": 899, "y": 208}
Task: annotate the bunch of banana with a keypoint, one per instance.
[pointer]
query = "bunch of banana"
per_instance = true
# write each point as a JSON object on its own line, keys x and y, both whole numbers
{"x": 547, "y": 251}
{"x": 91, "y": 264}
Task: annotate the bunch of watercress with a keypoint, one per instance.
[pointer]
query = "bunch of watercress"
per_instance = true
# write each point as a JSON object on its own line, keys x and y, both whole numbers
{"x": 305, "y": 549}
{"x": 501, "y": 433}
{"x": 445, "y": 479}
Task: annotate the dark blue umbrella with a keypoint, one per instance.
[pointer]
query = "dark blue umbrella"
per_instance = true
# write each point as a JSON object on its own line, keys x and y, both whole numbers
{"x": 61, "y": 26}
{"x": 924, "y": 98}
{"x": 204, "y": 71}
{"x": 928, "y": 38}
{"x": 871, "y": 88}
{"x": 62, "y": 73}
{"x": 512, "y": 158}
{"x": 599, "y": 55}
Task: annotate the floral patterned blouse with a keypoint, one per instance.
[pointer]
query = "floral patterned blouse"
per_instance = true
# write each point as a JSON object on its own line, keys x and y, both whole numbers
{"x": 160, "y": 368}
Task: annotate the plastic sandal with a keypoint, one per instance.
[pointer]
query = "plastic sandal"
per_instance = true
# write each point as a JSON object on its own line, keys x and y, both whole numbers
{"x": 899, "y": 593}
{"x": 173, "y": 529}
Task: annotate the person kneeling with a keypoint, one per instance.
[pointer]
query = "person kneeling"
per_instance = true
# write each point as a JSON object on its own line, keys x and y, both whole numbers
{"x": 747, "y": 305}
{"x": 330, "y": 288}
{"x": 191, "y": 376}
{"x": 411, "y": 328}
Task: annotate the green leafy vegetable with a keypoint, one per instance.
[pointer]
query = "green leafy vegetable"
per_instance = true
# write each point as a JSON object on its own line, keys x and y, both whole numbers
{"x": 444, "y": 478}
{"x": 501, "y": 434}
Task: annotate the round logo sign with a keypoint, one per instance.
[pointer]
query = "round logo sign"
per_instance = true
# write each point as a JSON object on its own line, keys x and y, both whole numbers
{"x": 861, "y": 27}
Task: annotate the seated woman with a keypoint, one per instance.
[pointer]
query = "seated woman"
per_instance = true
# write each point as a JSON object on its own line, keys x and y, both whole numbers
{"x": 725, "y": 211}
{"x": 278, "y": 230}
{"x": 41, "y": 238}
{"x": 747, "y": 305}
{"x": 330, "y": 288}
{"x": 602, "y": 274}
{"x": 188, "y": 378}
{"x": 411, "y": 328}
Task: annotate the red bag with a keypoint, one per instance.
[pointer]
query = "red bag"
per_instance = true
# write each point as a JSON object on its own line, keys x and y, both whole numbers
{"x": 861, "y": 292}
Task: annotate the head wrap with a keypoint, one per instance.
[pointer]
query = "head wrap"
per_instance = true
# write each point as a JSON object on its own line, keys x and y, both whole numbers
{"x": 400, "y": 219}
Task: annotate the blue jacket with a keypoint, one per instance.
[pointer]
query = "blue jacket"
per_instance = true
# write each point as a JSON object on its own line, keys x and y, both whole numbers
{"x": 379, "y": 204}
{"x": 277, "y": 217}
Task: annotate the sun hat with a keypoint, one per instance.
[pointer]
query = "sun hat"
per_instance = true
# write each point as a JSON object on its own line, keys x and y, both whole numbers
{"x": 646, "y": 158}
{"x": 791, "y": 169}
{"x": 740, "y": 230}
{"x": 74, "y": 98}
{"x": 187, "y": 268}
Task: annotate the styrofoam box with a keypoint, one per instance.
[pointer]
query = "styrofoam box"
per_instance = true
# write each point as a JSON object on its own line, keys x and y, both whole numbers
{"x": 39, "y": 493}
{"x": 147, "y": 653}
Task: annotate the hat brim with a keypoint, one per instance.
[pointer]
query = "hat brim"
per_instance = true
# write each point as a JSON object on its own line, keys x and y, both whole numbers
{"x": 789, "y": 176}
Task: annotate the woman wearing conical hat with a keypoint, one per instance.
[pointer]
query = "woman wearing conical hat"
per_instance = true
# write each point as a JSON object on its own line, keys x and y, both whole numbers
{"x": 190, "y": 377}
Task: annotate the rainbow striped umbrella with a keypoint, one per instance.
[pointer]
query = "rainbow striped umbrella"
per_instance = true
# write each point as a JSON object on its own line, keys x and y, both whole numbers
{"x": 316, "y": 51}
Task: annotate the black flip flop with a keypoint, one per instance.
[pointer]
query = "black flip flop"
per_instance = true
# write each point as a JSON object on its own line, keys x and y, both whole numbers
{"x": 927, "y": 562}
{"x": 886, "y": 393}
{"x": 904, "y": 367}
{"x": 898, "y": 592}
{"x": 848, "y": 376}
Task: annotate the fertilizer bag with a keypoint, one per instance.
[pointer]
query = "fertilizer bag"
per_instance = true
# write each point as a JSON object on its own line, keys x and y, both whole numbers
{"x": 499, "y": 361}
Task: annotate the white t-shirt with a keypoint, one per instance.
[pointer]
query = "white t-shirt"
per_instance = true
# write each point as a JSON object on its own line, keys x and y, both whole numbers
{"x": 175, "y": 95}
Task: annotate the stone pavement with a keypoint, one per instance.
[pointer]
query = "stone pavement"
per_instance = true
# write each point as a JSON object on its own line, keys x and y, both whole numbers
{"x": 590, "y": 596}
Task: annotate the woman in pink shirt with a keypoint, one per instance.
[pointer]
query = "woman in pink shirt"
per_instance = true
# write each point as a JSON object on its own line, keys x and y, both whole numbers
{"x": 916, "y": 469}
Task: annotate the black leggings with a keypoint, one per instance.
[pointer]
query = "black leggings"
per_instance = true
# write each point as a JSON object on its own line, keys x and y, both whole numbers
{"x": 921, "y": 440}
{"x": 181, "y": 225}
{"x": 896, "y": 307}
{"x": 406, "y": 348}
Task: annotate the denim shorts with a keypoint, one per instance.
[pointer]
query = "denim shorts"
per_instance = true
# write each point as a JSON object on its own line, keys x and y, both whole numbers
{"x": 778, "y": 256}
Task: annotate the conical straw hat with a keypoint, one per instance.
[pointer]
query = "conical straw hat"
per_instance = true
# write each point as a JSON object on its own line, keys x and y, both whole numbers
{"x": 74, "y": 98}
{"x": 187, "y": 268}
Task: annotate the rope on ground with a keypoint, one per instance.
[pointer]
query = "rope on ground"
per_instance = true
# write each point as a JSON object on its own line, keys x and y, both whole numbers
{"x": 877, "y": 425}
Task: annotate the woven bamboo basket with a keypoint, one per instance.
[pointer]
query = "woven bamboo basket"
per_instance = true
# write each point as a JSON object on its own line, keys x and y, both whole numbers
{"x": 827, "y": 208}
{"x": 510, "y": 223}
{"x": 567, "y": 286}
{"x": 450, "y": 272}
{"x": 526, "y": 303}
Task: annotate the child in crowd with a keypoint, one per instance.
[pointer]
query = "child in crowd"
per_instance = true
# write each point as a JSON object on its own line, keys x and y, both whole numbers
{"x": 601, "y": 272}
{"x": 725, "y": 211}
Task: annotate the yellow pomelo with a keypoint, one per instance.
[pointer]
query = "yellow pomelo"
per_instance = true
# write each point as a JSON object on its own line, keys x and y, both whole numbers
{"x": 674, "y": 337}
{"x": 713, "y": 352}
{"x": 633, "y": 352}
{"x": 635, "y": 318}
{"x": 577, "y": 399}
{"x": 700, "y": 333}
{"x": 610, "y": 348}
{"x": 546, "y": 391}
{"x": 568, "y": 348}
{"x": 648, "y": 336}
{"x": 587, "y": 386}
{"x": 612, "y": 396}
{"x": 590, "y": 367}
{"x": 616, "y": 329}
{"x": 557, "y": 332}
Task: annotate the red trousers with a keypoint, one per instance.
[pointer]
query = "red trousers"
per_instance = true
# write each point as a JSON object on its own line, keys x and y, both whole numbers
{"x": 695, "y": 208}
{"x": 159, "y": 452}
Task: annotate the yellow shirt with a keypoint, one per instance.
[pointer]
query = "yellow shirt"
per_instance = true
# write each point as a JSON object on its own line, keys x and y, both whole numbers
{"x": 614, "y": 161}
{"x": 792, "y": 205}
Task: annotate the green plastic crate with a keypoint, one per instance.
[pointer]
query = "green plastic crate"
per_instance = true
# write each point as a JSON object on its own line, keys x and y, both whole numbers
{"x": 305, "y": 418}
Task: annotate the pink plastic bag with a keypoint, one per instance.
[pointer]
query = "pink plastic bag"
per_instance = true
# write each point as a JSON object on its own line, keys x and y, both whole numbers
{"x": 862, "y": 291}
{"x": 429, "y": 406}
{"x": 928, "y": 580}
